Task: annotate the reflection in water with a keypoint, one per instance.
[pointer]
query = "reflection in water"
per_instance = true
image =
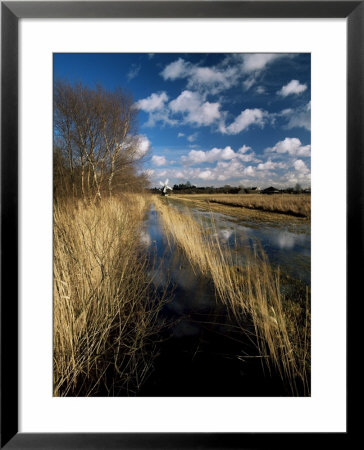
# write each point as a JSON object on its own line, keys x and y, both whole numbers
{"x": 199, "y": 355}
{"x": 192, "y": 292}
{"x": 225, "y": 234}
{"x": 145, "y": 238}
{"x": 286, "y": 240}
{"x": 287, "y": 246}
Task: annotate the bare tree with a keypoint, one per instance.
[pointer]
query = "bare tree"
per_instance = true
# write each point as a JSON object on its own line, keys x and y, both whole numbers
{"x": 96, "y": 132}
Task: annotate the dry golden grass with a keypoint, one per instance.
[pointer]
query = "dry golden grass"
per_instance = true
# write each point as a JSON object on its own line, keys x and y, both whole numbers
{"x": 105, "y": 310}
{"x": 251, "y": 292}
{"x": 294, "y": 205}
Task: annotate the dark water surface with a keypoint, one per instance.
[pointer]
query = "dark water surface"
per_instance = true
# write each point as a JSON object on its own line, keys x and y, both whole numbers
{"x": 202, "y": 353}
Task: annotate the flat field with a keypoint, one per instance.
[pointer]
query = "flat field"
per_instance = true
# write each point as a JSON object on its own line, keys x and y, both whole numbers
{"x": 255, "y": 206}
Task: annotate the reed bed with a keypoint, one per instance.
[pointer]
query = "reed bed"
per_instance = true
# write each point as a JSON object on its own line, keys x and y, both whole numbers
{"x": 251, "y": 293}
{"x": 295, "y": 205}
{"x": 105, "y": 308}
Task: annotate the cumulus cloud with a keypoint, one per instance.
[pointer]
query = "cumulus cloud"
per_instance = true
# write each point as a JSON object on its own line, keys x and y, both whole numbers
{"x": 234, "y": 69}
{"x": 176, "y": 69}
{"x": 292, "y": 88}
{"x": 258, "y": 61}
{"x": 155, "y": 102}
{"x": 292, "y": 146}
{"x": 268, "y": 165}
{"x": 300, "y": 166}
{"x": 244, "y": 154}
{"x": 244, "y": 149}
{"x": 194, "y": 109}
{"x": 143, "y": 145}
{"x": 206, "y": 175}
{"x": 300, "y": 117}
{"x": 159, "y": 160}
{"x": 251, "y": 66}
{"x": 245, "y": 119}
{"x": 157, "y": 108}
{"x": 249, "y": 171}
{"x": 215, "y": 154}
{"x": 223, "y": 170}
{"x": 198, "y": 77}
{"x": 191, "y": 105}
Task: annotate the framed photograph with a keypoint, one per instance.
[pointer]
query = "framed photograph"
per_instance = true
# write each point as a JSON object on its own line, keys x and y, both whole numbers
{"x": 178, "y": 222}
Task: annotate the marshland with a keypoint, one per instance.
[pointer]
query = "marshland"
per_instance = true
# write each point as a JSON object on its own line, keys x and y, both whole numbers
{"x": 153, "y": 297}
{"x": 169, "y": 295}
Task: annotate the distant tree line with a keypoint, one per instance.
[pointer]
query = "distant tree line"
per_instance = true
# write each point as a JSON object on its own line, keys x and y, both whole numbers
{"x": 188, "y": 188}
{"x": 96, "y": 149}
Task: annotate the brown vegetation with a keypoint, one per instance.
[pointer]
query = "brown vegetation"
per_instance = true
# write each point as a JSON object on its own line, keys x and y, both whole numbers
{"x": 288, "y": 204}
{"x": 251, "y": 292}
{"x": 105, "y": 308}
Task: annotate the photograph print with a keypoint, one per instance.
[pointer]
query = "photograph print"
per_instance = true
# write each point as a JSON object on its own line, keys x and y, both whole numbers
{"x": 181, "y": 225}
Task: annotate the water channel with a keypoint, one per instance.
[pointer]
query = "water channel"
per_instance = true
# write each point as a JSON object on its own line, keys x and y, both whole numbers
{"x": 201, "y": 353}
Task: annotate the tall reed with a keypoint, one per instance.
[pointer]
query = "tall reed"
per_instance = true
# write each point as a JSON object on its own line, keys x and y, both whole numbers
{"x": 251, "y": 293}
{"x": 105, "y": 309}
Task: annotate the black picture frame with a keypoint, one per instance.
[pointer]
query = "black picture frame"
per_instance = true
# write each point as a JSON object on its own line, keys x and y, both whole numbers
{"x": 11, "y": 12}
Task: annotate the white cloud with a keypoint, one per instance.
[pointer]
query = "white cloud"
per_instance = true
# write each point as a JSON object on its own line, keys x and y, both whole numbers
{"x": 206, "y": 175}
{"x": 268, "y": 165}
{"x": 194, "y": 109}
{"x": 300, "y": 166}
{"x": 133, "y": 71}
{"x": 234, "y": 69}
{"x": 258, "y": 61}
{"x": 293, "y": 87}
{"x": 250, "y": 66}
{"x": 192, "y": 137}
{"x": 215, "y": 154}
{"x": 214, "y": 79}
{"x": 300, "y": 117}
{"x": 176, "y": 69}
{"x": 246, "y": 154}
{"x": 249, "y": 82}
{"x": 155, "y": 102}
{"x": 292, "y": 146}
{"x": 245, "y": 119}
{"x": 159, "y": 160}
{"x": 244, "y": 149}
{"x": 149, "y": 172}
{"x": 180, "y": 135}
{"x": 260, "y": 90}
{"x": 249, "y": 171}
{"x": 155, "y": 105}
{"x": 143, "y": 145}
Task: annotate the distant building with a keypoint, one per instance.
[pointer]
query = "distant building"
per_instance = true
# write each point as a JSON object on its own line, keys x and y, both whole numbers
{"x": 270, "y": 190}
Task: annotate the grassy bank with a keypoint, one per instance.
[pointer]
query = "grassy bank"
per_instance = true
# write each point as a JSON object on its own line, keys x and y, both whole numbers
{"x": 105, "y": 308}
{"x": 298, "y": 206}
{"x": 252, "y": 294}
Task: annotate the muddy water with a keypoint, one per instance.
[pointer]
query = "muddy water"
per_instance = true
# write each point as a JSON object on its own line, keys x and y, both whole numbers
{"x": 201, "y": 353}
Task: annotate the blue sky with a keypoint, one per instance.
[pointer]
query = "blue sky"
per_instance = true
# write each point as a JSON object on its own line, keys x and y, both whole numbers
{"x": 212, "y": 119}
